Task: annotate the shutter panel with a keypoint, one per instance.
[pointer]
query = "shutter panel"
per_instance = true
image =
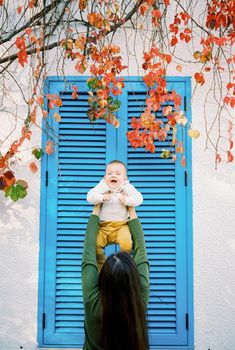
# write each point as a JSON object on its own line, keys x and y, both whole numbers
{"x": 163, "y": 216}
{"x": 80, "y": 165}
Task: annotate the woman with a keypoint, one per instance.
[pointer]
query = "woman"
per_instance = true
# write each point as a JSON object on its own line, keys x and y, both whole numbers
{"x": 115, "y": 300}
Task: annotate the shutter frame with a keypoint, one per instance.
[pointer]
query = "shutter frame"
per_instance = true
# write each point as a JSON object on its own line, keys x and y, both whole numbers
{"x": 59, "y": 83}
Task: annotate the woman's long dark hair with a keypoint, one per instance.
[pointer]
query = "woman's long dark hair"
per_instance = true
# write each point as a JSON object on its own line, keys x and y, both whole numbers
{"x": 123, "y": 311}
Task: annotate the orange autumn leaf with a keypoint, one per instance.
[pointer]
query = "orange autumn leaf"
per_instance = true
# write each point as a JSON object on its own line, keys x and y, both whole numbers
{"x": 82, "y": 5}
{"x": 183, "y": 161}
{"x": 9, "y": 178}
{"x": 143, "y": 8}
{"x": 33, "y": 167}
{"x": 40, "y": 100}
{"x": 28, "y": 31}
{"x": 74, "y": 95}
{"x": 22, "y": 57}
{"x": 199, "y": 77}
{"x": 49, "y": 147}
{"x": 229, "y": 157}
{"x": 57, "y": 117}
{"x": 173, "y": 41}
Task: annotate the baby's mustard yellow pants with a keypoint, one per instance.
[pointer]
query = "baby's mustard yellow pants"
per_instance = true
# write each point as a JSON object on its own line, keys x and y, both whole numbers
{"x": 112, "y": 232}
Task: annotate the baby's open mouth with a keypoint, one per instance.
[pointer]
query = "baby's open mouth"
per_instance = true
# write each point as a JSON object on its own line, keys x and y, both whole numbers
{"x": 113, "y": 181}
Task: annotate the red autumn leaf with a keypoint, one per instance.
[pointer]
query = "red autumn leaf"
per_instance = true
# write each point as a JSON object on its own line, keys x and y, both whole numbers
{"x": 156, "y": 13}
{"x": 218, "y": 158}
{"x": 150, "y": 147}
{"x": 20, "y": 43}
{"x": 143, "y": 8}
{"x": 1, "y": 2}
{"x": 199, "y": 77}
{"x": 173, "y": 41}
{"x": 135, "y": 124}
{"x": 19, "y": 9}
{"x": 32, "y": 3}
{"x": 148, "y": 80}
{"x": 230, "y": 144}
{"x": 183, "y": 161}
{"x": 226, "y": 100}
{"x": 74, "y": 95}
{"x": 229, "y": 157}
{"x": 40, "y": 100}
{"x": 9, "y": 178}
{"x": 75, "y": 88}
{"x": 232, "y": 102}
{"x": 166, "y": 2}
{"x": 22, "y": 57}
{"x": 28, "y": 31}
{"x": 33, "y": 167}
{"x": 49, "y": 147}
{"x": 187, "y": 38}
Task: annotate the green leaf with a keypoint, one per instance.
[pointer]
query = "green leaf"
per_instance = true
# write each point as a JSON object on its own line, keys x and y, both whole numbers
{"x": 14, "y": 194}
{"x": 21, "y": 191}
{"x": 37, "y": 152}
{"x": 91, "y": 83}
{"x": 114, "y": 106}
{"x": 110, "y": 99}
{"x": 8, "y": 191}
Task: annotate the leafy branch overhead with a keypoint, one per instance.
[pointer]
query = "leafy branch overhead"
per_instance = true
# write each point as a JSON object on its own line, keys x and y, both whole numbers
{"x": 37, "y": 36}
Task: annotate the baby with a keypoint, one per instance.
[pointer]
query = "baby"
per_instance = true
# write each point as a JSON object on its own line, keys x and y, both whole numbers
{"x": 115, "y": 193}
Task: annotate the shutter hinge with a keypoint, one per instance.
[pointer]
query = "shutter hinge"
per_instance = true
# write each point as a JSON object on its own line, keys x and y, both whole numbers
{"x": 185, "y": 103}
{"x": 185, "y": 178}
{"x": 186, "y": 321}
{"x": 46, "y": 178}
{"x": 43, "y": 320}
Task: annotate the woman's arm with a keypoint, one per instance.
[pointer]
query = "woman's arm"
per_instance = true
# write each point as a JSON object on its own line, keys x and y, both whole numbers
{"x": 89, "y": 264}
{"x": 139, "y": 252}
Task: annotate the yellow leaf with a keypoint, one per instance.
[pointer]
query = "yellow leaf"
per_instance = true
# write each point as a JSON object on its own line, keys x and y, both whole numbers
{"x": 57, "y": 117}
{"x": 193, "y": 133}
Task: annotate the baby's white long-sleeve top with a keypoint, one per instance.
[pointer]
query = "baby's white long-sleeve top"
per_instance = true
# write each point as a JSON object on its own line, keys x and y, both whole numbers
{"x": 114, "y": 210}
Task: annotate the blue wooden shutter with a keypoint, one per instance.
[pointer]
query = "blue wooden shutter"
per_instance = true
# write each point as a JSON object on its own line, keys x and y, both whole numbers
{"x": 78, "y": 164}
{"x": 163, "y": 215}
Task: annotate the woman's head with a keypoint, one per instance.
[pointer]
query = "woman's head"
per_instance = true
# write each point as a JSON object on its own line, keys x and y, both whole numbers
{"x": 124, "y": 320}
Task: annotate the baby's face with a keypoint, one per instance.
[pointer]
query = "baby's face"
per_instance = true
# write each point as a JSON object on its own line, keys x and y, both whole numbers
{"x": 115, "y": 175}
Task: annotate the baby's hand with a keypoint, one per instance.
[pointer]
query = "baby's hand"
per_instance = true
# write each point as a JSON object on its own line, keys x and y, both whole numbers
{"x": 122, "y": 198}
{"x": 107, "y": 196}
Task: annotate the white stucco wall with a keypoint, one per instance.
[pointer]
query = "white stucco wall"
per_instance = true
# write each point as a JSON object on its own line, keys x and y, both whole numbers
{"x": 213, "y": 239}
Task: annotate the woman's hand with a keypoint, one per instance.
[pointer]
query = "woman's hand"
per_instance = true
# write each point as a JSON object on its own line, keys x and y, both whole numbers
{"x": 96, "y": 209}
{"x": 132, "y": 213}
